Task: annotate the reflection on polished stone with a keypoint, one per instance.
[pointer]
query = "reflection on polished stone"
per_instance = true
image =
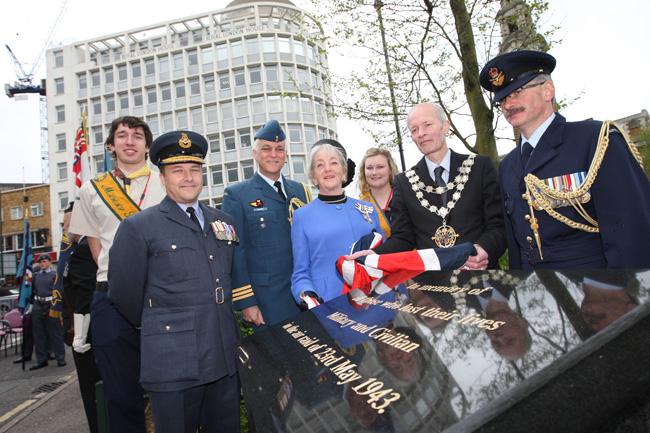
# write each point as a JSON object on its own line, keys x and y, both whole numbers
{"x": 451, "y": 351}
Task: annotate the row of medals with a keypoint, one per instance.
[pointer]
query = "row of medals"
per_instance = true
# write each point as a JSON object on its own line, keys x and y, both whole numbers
{"x": 445, "y": 235}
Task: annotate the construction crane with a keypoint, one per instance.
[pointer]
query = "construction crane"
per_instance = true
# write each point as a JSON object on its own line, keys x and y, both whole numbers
{"x": 25, "y": 85}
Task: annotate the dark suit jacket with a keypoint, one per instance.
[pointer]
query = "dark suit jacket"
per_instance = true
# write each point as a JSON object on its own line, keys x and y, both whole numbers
{"x": 263, "y": 258}
{"x": 163, "y": 276}
{"x": 477, "y": 216}
{"x": 620, "y": 202}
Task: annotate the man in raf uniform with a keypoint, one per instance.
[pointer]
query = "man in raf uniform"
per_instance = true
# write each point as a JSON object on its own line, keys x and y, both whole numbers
{"x": 170, "y": 274}
{"x": 574, "y": 193}
{"x": 262, "y": 208}
{"x": 103, "y": 202}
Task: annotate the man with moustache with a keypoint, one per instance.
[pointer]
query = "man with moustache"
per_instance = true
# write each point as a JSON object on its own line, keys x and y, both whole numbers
{"x": 262, "y": 208}
{"x": 170, "y": 275}
{"x": 574, "y": 193}
{"x": 446, "y": 198}
{"x": 103, "y": 202}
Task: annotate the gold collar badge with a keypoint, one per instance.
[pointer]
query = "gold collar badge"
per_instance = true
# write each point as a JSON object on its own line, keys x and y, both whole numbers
{"x": 496, "y": 77}
{"x": 185, "y": 141}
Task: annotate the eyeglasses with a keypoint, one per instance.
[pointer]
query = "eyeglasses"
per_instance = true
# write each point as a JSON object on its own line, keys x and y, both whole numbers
{"x": 517, "y": 92}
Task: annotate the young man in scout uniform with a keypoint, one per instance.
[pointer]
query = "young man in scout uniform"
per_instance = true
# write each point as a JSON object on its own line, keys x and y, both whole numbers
{"x": 262, "y": 208}
{"x": 103, "y": 202}
{"x": 574, "y": 193}
{"x": 170, "y": 275}
{"x": 446, "y": 198}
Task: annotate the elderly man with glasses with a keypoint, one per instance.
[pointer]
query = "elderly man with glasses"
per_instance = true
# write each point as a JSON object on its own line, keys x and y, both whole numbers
{"x": 574, "y": 193}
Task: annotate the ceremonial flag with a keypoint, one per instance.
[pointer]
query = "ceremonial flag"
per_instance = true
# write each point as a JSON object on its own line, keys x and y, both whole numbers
{"x": 80, "y": 165}
{"x": 24, "y": 272}
{"x": 56, "y": 311}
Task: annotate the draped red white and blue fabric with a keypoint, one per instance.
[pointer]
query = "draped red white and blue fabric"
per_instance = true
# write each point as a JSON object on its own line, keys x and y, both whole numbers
{"x": 80, "y": 164}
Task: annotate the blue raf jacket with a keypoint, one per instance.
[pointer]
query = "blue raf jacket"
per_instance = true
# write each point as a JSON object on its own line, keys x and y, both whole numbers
{"x": 173, "y": 280}
{"x": 321, "y": 233}
{"x": 620, "y": 202}
{"x": 263, "y": 262}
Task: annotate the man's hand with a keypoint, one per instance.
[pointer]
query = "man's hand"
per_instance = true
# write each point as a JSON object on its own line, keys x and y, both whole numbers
{"x": 358, "y": 254}
{"x": 477, "y": 262}
{"x": 253, "y": 315}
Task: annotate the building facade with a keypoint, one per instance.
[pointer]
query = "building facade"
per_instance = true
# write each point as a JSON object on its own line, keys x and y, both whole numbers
{"x": 16, "y": 203}
{"x": 222, "y": 73}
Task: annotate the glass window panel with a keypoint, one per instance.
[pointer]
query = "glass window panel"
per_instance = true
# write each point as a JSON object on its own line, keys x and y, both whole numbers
{"x": 207, "y": 55}
{"x": 226, "y": 111}
{"x": 121, "y": 73}
{"x": 165, "y": 92}
{"x": 192, "y": 58}
{"x": 152, "y": 96}
{"x": 137, "y": 98}
{"x": 211, "y": 114}
{"x": 232, "y": 172}
{"x": 83, "y": 81}
{"x": 208, "y": 83}
{"x": 216, "y": 173}
{"x": 252, "y": 46}
{"x": 215, "y": 144}
{"x": 163, "y": 64}
{"x": 224, "y": 80}
{"x": 229, "y": 140}
{"x": 149, "y": 67}
{"x": 180, "y": 89}
{"x": 136, "y": 69}
{"x": 178, "y": 61}
{"x": 195, "y": 86}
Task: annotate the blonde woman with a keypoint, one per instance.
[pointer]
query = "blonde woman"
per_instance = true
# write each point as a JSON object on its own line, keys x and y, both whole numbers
{"x": 378, "y": 170}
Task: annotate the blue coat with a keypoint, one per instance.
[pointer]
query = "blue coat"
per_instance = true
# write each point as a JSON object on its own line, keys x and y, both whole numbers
{"x": 620, "y": 202}
{"x": 164, "y": 276}
{"x": 321, "y": 233}
{"x": 263, "y": 262}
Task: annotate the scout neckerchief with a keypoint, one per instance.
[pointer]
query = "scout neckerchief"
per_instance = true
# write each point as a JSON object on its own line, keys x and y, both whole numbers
{"x": 115, "y": 197}
{"x": 445, "y": 235}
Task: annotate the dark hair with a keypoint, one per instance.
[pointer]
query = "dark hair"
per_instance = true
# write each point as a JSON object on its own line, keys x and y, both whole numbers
{"x": 132, "y": 122}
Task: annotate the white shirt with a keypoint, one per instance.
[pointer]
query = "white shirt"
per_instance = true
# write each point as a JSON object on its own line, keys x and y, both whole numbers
{"x": 445, "y": 163}
{"x": 197, "y": 211}
{"x": 272, "y": 183}
{"x": 537, "y": 134}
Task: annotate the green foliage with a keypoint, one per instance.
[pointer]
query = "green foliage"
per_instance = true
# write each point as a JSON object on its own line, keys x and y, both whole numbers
{"x": 642, "y": 139}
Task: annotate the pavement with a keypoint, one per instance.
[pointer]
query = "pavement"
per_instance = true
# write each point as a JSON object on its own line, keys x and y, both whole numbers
{"x": 42, "y": 401}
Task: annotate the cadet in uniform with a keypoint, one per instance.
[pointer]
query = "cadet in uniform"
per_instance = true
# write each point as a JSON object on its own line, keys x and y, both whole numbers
{"x": 103, "y": 202}
{"x": 574, "y": 193}
{"x": 170, "y": 274}
{"x": 262, "y": 208}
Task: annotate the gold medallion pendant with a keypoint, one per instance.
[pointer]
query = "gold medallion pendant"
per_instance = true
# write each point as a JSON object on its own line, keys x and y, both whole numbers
{"x": 445, "y": 236}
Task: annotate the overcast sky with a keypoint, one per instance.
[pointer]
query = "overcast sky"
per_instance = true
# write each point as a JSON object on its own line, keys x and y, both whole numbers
{"x": 602, "y": 58}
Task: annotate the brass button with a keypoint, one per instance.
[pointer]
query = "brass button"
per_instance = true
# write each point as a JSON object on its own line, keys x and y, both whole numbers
{"x": 529, "y": 239}
{"x": 217, "y": 280}
{"x": 526, "y": 217}
{"x": 211, "y": 257}
{"x": 168, "y": 328}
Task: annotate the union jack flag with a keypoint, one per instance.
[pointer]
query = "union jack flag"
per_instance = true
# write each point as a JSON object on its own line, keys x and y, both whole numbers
{"x": 80, "y": 166}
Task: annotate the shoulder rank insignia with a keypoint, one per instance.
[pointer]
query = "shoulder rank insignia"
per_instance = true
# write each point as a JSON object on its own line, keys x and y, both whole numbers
{"x": 257, "y": 203}
{"x": 365, "y": 211}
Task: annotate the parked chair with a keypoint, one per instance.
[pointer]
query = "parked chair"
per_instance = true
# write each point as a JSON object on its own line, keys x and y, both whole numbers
{"x": 15, "y": 321}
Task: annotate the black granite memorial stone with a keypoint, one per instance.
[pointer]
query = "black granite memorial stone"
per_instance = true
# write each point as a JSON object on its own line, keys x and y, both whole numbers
{"x": 489, "y": 351}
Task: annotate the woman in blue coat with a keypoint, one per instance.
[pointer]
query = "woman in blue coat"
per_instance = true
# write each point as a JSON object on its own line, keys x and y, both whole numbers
{"x": 328, "y": 226}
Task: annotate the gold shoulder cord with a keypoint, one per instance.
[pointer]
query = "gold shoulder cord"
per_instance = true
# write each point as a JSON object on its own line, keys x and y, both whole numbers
{"x": 543, "y": 195}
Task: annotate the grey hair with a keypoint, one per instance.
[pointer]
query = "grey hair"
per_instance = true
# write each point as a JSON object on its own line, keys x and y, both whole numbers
{"x": 326, "y": 147}
{"x": 437, "y": 108}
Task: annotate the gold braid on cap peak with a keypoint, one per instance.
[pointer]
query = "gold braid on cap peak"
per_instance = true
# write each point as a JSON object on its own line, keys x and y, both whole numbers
{"x": 544, "y": 196}
{"x": 182, "y": 158}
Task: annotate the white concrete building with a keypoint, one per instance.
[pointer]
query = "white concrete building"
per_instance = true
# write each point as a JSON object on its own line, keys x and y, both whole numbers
{"x": 221, "y": 73}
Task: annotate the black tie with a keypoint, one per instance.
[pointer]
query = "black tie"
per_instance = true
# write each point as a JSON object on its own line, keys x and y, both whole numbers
{"x": 190, "y": 210}
{"x": 526, "y": 151}
{"x": 278, "y": 186}
{"x": 440, "y": 182}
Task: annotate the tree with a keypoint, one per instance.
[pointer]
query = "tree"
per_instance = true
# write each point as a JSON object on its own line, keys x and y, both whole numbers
{"x": 434, "y": 50}
{"x": 642, "y": 140}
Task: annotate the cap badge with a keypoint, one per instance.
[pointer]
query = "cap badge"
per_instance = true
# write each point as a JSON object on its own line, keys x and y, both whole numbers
{"x": 496, "y": 77}
{"x": 277, "y": 138}
{"x": 185, "y": 141}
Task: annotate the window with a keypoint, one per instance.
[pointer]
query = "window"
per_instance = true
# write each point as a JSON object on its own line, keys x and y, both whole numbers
{"x": 152, "y": 96}
{"x": 291, "y": 105}
{"x": 298, "y": 163}
{"x": 211, "y": 114}
{"x": 222, "y": 53}
{"x": 165, "y": 92}
{"x": 36, "y": 209}
{"x": 208, "y": 83}
{"x": 60, "y": 143}
{"x": 244, "y": 138}
{"x": 167, "y": 122}
{"x": 98, "y": 135}
{"x": 236, "y": 48}
{"x": 110, "y": 104}
{"x": 242, "y": 108}
{"x": 58, "y": 58}
{"x": 181, "y": 119}
{"x": 108, "y": 76}
{"x": 229, "y": 140}
{"x": 58, "y": 86}
{"x": 195, "y": 87}
{"x": 258, "y": 105}
{"x": 232, "y": 172}
{"x": 204, "y": 179}
{"x": 207, "y": 55}
{"x": 252, "y": 47}
{"x": 124, "y": 101}
{"x": 240, "y": 77}
{"x": 136, "y": 70}
{"x": 192, "y": 58}
{"x": 295, "y": 134}
{"x": 275, "y": 105}
{"x": 62, "y": 170}
{"x": 285, "y": 45}
{"x": 268, "y": 45}
{"x": 99, "y": 163}
{"x": 137, "y": 98}
{"x": 83, "y": 81}
{"x": 287, "y": 74}
{"x": 177, "y": 59}
{"x": 180, "y": 89}
{"x": 149, "y": 67}
{"x": 213, "y": 141}
{"x": 163, "y": 64}
{"x": 97, "y": 106}
{"x": 63, "y": 200}
{"x": 217, "y": 175}
{"x": 197, "y": 119}
{"x": 60, "y": 113}
{"x": 255, "y": 75}
{"x": 271, "y": 73}
{"x": 248, "y": 169}
{"x": 16, "y": 213}
{"x": 303, "y": 77}
{"x": 121, "y": 73}
{"x": 153, "y": 124}
{"x": 298, "y": 48}
{"x": 226, "y": 111}
{"x": 224, "y": 81}
{"x": 94, "y": 78}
